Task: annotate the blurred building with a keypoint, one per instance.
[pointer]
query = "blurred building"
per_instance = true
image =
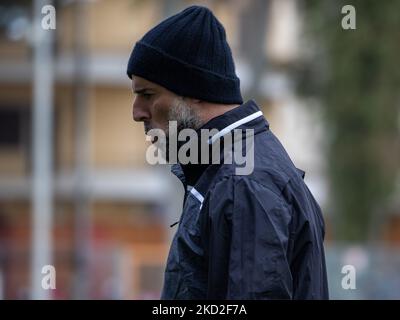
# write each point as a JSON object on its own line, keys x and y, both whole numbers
{"x": 112, "y": 211}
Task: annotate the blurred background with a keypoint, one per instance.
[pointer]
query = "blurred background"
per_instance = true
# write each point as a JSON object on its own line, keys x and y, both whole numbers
{"x": 75, "y": 189}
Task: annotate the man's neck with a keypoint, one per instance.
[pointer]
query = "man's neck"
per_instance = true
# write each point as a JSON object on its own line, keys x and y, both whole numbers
{"x": 209, "y": 111}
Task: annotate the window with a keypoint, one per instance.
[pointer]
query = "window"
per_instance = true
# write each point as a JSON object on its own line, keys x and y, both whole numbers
{"x": 15, "y": 138}
{"x": 10, "y": 128}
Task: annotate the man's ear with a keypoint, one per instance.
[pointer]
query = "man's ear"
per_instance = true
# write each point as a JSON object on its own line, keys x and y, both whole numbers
{"x": 194, "y": 101}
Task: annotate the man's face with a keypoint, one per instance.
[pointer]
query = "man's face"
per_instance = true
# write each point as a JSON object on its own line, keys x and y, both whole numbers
{"x": 151, "y": 104}
{"x": 155, "y": 106}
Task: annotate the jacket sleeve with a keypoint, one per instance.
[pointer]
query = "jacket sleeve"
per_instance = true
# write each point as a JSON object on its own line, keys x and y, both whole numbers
{"x": 246, "y": 238}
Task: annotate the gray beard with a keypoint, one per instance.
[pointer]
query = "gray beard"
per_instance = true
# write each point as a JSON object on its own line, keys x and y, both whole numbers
{"x": 186, "y": 118}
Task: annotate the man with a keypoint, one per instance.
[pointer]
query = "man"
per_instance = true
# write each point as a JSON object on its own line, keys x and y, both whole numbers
{"x": 240, "y": 236}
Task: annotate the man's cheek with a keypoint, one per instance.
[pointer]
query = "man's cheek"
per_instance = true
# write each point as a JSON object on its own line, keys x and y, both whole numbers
{"x": 161, "y": 109}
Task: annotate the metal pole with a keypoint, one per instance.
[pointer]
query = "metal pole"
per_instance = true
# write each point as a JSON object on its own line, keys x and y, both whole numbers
{"x": 82, "y": 220}
{"x": 42, "y": 188}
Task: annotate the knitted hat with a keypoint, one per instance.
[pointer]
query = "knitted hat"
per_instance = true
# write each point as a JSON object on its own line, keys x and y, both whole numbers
{"x": 188, "y": 54}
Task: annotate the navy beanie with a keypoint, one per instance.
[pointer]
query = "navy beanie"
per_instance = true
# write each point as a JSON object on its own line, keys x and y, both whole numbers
{"x": 188, "y": 54}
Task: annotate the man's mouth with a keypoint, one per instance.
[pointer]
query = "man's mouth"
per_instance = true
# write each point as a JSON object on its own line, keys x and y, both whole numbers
{"x": 147, "y": 128}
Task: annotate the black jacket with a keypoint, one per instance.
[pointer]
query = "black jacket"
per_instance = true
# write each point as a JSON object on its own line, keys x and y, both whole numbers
{"x": 256, "y": 236}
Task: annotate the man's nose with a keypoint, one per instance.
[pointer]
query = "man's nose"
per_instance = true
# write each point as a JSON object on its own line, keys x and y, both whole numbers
{"x": 139, "y": 112}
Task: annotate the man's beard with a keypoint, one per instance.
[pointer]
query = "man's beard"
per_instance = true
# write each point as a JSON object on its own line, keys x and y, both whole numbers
{"x": 185, "y": 116}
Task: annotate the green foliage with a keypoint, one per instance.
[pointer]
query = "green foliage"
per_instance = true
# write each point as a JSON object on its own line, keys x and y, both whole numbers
{"x": 357, "y": 77}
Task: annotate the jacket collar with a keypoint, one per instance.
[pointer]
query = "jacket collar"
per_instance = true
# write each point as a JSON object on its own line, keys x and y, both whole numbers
{"x": 246, "y": 116}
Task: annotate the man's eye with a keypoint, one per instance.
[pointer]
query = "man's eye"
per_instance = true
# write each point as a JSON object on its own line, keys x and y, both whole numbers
{"x": 146, "y": 95}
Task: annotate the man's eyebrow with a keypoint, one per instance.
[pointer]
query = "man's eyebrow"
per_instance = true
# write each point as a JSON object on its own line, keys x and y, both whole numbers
{"x": 142, "y": 90}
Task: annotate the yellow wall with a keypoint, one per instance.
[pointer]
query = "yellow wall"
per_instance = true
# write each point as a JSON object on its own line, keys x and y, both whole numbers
{"x": 109, "y": 25}
{"x": 64, "y": 127}
{"x": 118, "y": 141}
{"x": 116, "y": 25}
